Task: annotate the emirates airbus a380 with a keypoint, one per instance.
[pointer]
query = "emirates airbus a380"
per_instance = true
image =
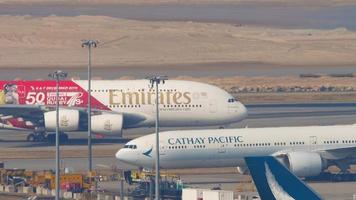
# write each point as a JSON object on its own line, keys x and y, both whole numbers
{"x": 116, "y": 105}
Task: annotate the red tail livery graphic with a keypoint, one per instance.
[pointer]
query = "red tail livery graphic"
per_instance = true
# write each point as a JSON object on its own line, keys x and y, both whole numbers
{"x": 44, "y": 93}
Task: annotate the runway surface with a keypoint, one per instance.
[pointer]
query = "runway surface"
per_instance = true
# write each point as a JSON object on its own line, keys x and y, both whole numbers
{"x": 278, "y": 110}
{"x": 259, "y": 115}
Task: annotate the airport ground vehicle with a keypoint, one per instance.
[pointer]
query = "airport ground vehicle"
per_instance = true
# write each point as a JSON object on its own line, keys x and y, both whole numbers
{"x": 12, "y": 176}
{"x": 171, "y": 185}
{"x": 73, "y": 182}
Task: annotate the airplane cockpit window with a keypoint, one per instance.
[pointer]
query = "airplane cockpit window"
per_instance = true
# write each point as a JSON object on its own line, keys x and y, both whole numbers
{"x": 130, "y": 146}
{"x": 231, "y": 100}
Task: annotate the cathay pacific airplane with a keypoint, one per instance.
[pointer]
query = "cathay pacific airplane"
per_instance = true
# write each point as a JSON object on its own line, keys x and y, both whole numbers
{"x": 275, "y": 182}
{"x": 306, "y": 151}
{"x": 116, "y": 105}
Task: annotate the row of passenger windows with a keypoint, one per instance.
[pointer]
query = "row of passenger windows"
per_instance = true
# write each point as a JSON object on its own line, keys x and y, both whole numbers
{"x": 164, "y": 90}
{"x": 296, "y": 143}
{"x": 165, "y": 106}
{"x": 349, "y": 141}
{"x": 268, "y": 144}
{"x": 337, "y": 142}
{"x": 125, "y": 106}
{"x": 263, "y": 144}
{"x": 141, "y": 90}
{"x": 182, "y": 105}
{"x": 252, "y": 145}
{"x": 185, "y": 147}
{"x": 242, "y": 145}
{"x": 99, "y": 90}
{"x": 331, "y": 142}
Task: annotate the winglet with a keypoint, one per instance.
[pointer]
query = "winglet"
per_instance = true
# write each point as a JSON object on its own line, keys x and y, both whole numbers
{"x": 274, "y": 181}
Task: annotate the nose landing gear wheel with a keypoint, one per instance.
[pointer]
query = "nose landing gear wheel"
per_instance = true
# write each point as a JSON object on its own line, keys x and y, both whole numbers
{"x": 36, "y": 137}
{"x": 31, "y": 137}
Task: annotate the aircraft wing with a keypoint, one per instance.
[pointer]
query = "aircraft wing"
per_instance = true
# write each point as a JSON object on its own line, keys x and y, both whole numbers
{"x": 329, "y": 153}
{"x": 274, "y": 181}
{"x": 21, "y": 110}
{"x": 29, "y": 113}
{"x": 34, "y": 113}
{"x": 338, "y": 153}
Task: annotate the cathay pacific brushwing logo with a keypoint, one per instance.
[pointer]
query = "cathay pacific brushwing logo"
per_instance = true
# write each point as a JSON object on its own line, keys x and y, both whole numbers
{"x": 148, "y": 153}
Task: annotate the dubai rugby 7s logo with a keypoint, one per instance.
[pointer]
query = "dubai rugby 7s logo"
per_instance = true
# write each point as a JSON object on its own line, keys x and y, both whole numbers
{"x": 75, "y": 99}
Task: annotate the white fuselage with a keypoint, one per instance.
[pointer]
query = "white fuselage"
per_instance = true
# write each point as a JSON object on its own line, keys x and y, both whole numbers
{"x": 228, "y": 147}
{"x": 182, "y": 103}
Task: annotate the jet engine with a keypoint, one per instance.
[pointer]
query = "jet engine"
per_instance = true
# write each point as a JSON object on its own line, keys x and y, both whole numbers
{"x": 107, "y": 124}
{"x": 68, "y": 120}
{"x": 304, "y": 164}
{"x": 243, "y": 170}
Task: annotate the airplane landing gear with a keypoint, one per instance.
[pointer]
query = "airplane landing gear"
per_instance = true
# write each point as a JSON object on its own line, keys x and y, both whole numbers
{"x": 63, "y": 137}
{"x": 43, "y": 137}
{"x": 36, "y": 137}
{"x": 31, "y": 137}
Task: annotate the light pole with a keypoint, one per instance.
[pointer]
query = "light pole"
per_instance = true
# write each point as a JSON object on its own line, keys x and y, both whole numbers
{"x": 89, "y": 44}
{"x": 155, "y": 81}
{"x": 57, "y": 75}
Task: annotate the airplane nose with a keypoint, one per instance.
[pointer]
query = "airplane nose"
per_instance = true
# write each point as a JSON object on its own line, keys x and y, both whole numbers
{"x": 127, "y": 156}
{"x": 119, "y": 155}
{"x": 237, "y": 111}
{"x": 243, "y": 110}
{"x": 123, "y": 156}
{"x": 240, "y": 112}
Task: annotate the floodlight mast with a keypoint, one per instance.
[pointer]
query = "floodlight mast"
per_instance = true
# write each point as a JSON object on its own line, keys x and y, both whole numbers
{"x": 154, "y": 82}
{"x": 89, "y": 44}
{"x": 57, "y": 75}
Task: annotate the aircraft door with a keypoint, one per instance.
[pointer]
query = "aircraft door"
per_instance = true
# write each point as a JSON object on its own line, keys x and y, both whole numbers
{"x": 222, "y": 149}
{"x": 162, "y": 148}
{"x": 313, "y": 141}
{"x": 212, "y": 106}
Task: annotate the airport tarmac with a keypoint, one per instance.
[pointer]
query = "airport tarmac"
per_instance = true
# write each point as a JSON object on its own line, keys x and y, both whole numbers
{"x": 261, "y": 115}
